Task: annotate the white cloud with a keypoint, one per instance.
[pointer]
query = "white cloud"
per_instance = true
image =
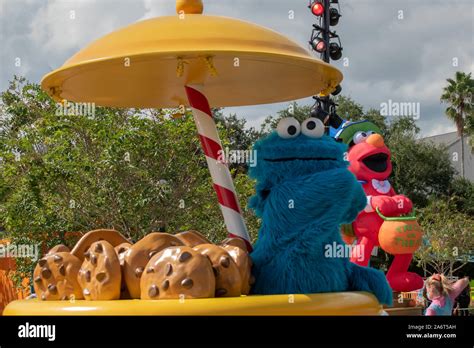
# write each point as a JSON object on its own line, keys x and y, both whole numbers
{"x": 63, "y": 25}
{"x": 154, "y": 8}
{"x": 403, "y": 60}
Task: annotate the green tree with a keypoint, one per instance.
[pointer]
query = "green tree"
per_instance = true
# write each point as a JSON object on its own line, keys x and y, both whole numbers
{"x": 461, "y": 196}
{"x": 458, "y": 94}
{"x": 348, "y": 109}
{"x": 448, "y": 237}
{"x": 420, "y": 169}
{"x": 132, "y": 170}
{"x": 374, "y": 116}
{"x": 238, "y": 136}
{"x": 300, "y": 112}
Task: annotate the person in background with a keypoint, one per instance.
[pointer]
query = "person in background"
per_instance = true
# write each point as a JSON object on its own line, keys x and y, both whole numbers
{"x": 461, "y": 304}
{"x": 422, "y": 299}
{"x": 442, "y": 294}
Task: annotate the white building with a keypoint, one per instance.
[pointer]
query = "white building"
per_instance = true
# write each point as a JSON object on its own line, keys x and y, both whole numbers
{"x": 453, "y": 142}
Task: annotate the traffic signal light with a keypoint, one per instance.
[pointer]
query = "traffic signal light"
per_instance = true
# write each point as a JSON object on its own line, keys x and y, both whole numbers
{"x": 317, "y": 8}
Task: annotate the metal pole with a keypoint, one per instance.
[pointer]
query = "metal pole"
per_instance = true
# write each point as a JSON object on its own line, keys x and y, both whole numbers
{"x": 325, "y": 56}
{"x": 326, "y": 27}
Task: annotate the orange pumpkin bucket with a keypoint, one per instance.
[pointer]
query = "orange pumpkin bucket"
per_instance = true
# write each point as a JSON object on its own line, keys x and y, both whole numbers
{"x": 400, "y": 235}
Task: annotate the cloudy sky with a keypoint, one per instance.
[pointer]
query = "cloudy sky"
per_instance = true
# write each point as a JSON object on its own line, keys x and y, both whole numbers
{"x": 399, "y": 50}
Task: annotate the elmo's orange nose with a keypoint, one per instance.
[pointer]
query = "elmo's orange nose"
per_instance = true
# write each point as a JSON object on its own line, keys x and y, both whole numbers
{"x": 375, "y": 140}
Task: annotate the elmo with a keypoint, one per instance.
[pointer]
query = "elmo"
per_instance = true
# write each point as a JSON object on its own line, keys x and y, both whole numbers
{"x": 369, "y": 160}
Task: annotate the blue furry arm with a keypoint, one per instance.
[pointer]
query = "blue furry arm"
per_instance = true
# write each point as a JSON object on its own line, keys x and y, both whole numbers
{"x": 359, "y": 201}
{"x": 257, "y": 201}
{"x": 371, "y": 280}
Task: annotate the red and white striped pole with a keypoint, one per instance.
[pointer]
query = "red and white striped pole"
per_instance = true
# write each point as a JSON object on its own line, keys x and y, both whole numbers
{"x": 221, "y": 178}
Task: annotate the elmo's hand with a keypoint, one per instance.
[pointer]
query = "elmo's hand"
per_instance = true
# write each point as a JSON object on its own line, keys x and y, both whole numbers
{"x": 404, "y": 204}
{"x": 392, "y": 206}
{"x": 386, "y": 204}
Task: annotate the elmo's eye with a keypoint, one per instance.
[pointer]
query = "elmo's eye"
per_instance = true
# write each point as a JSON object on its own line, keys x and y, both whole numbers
{"x": 288, "y": 127}
{"x": 360, "y": 137}
{"x": 313, "y": 127}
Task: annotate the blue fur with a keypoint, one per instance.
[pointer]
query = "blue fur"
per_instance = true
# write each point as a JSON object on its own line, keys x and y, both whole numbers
{"x": 289, "y": 256}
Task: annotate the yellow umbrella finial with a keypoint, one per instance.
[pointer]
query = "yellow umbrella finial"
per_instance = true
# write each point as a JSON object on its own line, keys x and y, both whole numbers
{"x": 189, "y": 6}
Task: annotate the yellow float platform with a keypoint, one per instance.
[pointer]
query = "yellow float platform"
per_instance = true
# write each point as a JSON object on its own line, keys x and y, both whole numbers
{"x": 342, "y": 303}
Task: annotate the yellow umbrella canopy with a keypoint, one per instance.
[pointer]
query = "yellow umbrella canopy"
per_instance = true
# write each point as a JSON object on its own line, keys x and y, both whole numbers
{"x": 147, "y": 64}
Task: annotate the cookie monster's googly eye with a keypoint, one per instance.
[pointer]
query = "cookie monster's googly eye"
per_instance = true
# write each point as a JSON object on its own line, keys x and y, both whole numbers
{"x": 288, "y": 127}
{"x": 313, "y": 127}
{"x": 360, "y": 136}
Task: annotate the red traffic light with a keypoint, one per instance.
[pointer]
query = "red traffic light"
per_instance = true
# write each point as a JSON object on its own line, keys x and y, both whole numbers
{"x": 317, "y": 8}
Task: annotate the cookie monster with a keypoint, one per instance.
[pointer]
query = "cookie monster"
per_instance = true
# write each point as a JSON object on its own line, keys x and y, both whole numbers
{"x": 304, "y": 192}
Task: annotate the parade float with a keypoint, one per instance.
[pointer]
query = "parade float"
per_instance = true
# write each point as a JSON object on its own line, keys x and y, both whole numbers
{"x": 198, "y": 61}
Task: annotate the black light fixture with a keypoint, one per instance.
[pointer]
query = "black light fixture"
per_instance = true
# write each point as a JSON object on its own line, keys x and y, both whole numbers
{"x": 319, "y": 45}
{"x": 330, "y": 118}
{"x": 335, "y": 120}
{"x": 333, "y": 16}
{"x": 317, "y": 111}
{"x": 335, "y": 51}
{"x": 337, "y": 90}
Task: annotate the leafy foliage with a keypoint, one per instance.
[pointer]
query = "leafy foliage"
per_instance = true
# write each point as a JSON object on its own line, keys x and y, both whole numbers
{"x": 420, "y": 169}
{"x": 459, "y": 95}
{"x": 132, "y": 170}
{"x": 449, "y": 237}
